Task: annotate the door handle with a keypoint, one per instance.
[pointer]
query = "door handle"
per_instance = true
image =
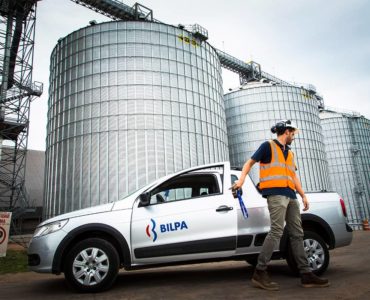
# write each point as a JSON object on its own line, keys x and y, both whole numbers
{"x": 224, "y": 208}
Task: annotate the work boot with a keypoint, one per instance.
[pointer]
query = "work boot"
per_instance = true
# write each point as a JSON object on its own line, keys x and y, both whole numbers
{"x": 311, "y": 280}
{"x": 262, "y": 280}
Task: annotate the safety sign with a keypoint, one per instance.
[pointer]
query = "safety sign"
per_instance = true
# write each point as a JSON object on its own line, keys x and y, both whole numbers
{"x": 5, "y": 218}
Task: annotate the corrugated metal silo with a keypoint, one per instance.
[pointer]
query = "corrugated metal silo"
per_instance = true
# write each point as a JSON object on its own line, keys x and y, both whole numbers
{"x": 347, "y": 143}
{"x": 129, "y": 102}
{"x": 252, "y": 109}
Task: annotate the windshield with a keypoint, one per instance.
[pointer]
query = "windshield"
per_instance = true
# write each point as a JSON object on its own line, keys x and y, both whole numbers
{"x": 142, "y": 189}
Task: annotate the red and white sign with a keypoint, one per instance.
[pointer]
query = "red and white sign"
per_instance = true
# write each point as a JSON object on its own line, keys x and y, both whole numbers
{"x": 5, "y": 218}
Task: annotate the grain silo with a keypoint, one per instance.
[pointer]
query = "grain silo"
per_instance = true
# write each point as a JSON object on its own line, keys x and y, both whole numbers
{"x": 130, "y": 101}
{"x": 347, "y": 143}
{"x": 253, "y": 108}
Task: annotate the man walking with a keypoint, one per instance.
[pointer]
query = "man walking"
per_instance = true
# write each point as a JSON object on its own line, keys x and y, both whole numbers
{"x": 279, "y": 183}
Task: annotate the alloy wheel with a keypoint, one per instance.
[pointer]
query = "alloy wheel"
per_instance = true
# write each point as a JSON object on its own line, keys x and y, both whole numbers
{"x": 315, "y": 253}
{"x": 90, "y": 266}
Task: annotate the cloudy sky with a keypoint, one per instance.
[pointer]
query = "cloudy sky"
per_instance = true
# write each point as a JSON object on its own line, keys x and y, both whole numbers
{"x": 324, "y": 43}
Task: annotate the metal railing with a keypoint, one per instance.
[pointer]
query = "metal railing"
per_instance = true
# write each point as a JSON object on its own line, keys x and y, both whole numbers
{"x": 117, "y": 10}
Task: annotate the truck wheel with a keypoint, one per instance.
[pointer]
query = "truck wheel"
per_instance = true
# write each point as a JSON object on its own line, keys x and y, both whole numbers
{"x": 91, "y": 265}
{"x": 317, "y": 253}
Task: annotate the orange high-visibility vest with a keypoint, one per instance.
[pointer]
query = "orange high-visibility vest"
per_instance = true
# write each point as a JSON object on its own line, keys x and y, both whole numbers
{"x": 279, "y": 172}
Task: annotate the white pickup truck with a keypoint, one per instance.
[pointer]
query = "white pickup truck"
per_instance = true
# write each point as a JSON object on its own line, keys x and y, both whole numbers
{"x": 190, "y": 216}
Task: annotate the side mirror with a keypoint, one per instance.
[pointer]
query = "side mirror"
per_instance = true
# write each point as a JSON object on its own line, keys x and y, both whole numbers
{"x": 144, "y": 199}
{"x": 240, "y": 191}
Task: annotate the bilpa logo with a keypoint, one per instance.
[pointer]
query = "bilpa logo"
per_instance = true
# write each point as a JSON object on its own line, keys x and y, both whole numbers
{"x": 152, "y": 230}
{"x": 165, "y": 228}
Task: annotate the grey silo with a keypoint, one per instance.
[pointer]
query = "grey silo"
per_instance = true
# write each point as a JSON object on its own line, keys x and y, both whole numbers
{"x": 129, "y": 102}
{"x": 252, "y": 109}
{"x": 347, "y": 141}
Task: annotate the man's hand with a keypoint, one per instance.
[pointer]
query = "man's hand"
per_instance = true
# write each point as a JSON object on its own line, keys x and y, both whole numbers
{"x": 306, "y": 204}
{"x": 237, "y": 185}
{"x": 246, "y": 168}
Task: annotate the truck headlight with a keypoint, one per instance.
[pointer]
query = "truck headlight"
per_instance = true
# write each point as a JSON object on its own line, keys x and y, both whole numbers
{"x": 49, "y": 228}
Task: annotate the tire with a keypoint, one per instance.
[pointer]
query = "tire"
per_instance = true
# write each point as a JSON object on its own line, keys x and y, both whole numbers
{"x": 91, "y": 265}
{"x": 317, "y": 254}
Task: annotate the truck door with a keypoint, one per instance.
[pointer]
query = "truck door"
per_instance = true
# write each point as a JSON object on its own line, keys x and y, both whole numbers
{"x": 190, "y": 216}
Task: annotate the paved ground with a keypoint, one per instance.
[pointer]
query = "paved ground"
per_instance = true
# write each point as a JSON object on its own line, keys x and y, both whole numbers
{"x": 349, "y": 273}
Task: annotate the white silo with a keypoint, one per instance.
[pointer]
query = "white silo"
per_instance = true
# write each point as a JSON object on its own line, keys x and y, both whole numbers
{"x": 347, "y": 143}
{"x": 252, "y": 109}
{"x": 129, "y": 102}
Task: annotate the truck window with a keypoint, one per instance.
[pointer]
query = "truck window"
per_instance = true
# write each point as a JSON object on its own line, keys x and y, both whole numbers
{"x": 186, "y": 186}
{"x": 233, "y": 178}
